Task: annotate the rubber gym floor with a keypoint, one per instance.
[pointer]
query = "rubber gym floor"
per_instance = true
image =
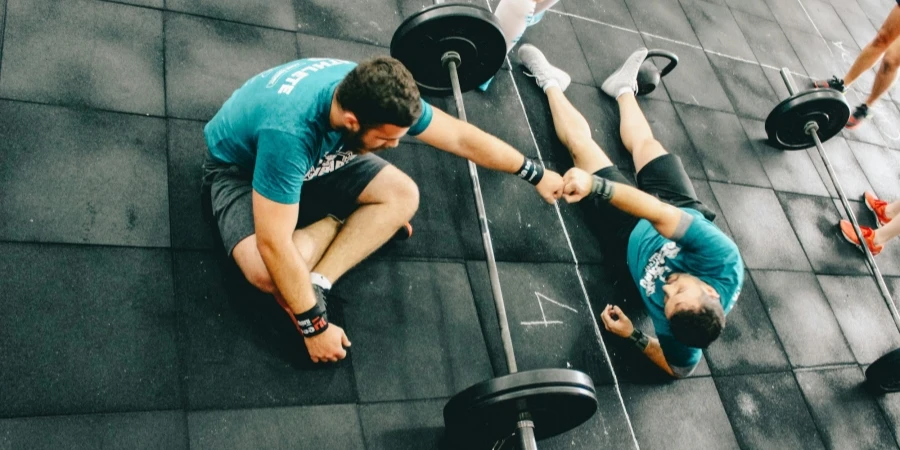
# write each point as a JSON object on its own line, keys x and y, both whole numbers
{"x": 123, "y": 327}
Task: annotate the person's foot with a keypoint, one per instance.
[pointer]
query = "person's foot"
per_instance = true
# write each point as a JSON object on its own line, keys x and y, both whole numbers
{"x": 545, "y": 74}
{"x": 834, "y": 83}
{"x": 624, "y": 80}
{"x": 877, "y": 206}
{"x": 405, "y": 232}
{"x": 868, "y": 234}
{"x": 860, "y": 114}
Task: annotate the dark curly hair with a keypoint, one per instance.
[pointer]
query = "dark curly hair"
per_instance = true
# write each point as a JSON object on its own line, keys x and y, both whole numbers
{"x": 699, "y": 327}
{"x": 381, "y": 91}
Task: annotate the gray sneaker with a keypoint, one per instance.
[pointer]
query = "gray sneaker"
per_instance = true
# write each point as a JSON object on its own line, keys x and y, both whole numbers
{"x": 626, "y": 77}
{"x": 544, "y": 73}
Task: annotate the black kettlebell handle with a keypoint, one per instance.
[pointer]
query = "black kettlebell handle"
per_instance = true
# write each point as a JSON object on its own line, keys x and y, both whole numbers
{"x": 673, "y": 60}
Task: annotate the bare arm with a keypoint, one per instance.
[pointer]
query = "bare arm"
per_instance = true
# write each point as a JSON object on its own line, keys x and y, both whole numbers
{"x": 275, "y": 224}
{"x": 616, "y": 322}
{"x": 468, "y": 141}
{"x": 665, "y": 218}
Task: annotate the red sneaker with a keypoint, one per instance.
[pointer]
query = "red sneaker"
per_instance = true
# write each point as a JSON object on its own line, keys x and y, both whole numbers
{"x": 834, "y": 83}
{"x": 868, "y": 235}
{"x": 860, "y": 114}
{"x": 877, "y": 206}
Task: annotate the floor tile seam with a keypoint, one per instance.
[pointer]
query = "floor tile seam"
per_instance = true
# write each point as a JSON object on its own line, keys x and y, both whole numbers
{"x": 820, "y": 427}
{"x": 816, "y": 27}
{"x": 871, "y": 271}
{"x": 768, "y": 314}
{"x": 87, "y": 245}
{"x": 76, "y": 108}
{"x": 562, "y": 223}
{"x": 3, "y": 38}
{"x": 676, "y": 41}
{"x": 774, "y": 371}
{"x": 165, "y": 10}
{"x": 122, "y": 412}
{"x": 754, "y": 154}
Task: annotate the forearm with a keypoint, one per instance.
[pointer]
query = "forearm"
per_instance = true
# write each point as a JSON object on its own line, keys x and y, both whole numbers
{"x": 655, "y": 353}
{"x": 289, "y": 273}
{"x": 488, "y": 151}
{"x": 664, "y": 217}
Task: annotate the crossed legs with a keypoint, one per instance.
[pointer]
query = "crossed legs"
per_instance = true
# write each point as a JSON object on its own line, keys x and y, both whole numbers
{"x": 331, "y": 249}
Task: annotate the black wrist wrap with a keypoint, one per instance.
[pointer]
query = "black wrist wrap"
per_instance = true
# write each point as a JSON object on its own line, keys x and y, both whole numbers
{"x": 314, "y": 321}
{"x": 531, "y": 171}
{"x": 602, "y": 188}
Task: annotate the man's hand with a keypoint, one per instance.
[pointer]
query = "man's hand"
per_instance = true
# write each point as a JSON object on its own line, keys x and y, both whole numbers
{"x": 578, "y": 184}
{"x": 616, "y": 322}
{"x": 551, "y": 186}
{"x": 329, "y": 345}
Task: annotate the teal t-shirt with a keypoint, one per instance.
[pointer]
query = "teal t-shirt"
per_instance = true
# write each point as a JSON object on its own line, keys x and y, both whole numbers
{"x": 703, "y": 251}
{"x": 276, "y": 125}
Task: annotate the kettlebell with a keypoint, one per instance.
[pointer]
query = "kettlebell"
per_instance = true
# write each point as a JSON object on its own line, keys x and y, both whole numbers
{"x": 649, "y": 75}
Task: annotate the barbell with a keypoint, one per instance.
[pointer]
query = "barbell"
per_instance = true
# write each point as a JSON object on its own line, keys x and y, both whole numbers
{"x": 807, "y": 119}
{"x": 453, "y": 48}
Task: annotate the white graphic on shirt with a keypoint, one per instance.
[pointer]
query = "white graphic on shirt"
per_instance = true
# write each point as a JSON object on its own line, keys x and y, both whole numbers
{"x": 656, "y": 267}
{"x": 329, "y": 164}
{"x": 291, "y": 82}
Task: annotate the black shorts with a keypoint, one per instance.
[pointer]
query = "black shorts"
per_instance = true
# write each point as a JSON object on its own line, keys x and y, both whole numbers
{"x": 664, "y": 178}
{"x": 226, "y": 194}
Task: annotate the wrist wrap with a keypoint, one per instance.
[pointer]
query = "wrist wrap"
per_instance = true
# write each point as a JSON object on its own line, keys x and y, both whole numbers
{"x": 314, "y": 321}
{"x": 639, "y": 339}
{"x": 531, "y": 171}
{"x": 602, "y": 188}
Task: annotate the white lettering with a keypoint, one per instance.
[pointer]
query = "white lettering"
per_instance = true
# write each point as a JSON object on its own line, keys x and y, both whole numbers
{"x": 656, "y": 267}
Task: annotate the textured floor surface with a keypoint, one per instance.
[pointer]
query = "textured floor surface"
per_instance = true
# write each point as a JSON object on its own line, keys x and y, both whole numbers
{"x": 122, "y": 326}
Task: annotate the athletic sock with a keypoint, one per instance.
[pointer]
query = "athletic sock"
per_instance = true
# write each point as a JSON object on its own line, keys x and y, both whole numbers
{"x": 319, "y": 280}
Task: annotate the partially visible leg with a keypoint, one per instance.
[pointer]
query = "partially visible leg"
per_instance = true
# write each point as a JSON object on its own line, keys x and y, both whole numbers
{"x": 887, "y": 72}
{"x": 888, "y": 33}
{"x": 892, "y": 209}
{"x": 887, "y": 232}
{"x": 543, "y": 5}
{"x": 387, "y": 203}
{"x": 311, "y": 241}
{"x": 575, "y": 133}
{"x": 636, "y": 133}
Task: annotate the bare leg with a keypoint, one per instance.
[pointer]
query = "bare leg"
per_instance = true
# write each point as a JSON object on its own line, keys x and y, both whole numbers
{"x": 310, "y": 241}
{"x": 388, "y": 202}
{"x": 575, "y": 133}
{"x": 892, "y": 209}
{"x": 886, "y": 74}
{"x": 636, "y": 133}
{"x": 889, "y": 231}
{"x": 870, "y": 54}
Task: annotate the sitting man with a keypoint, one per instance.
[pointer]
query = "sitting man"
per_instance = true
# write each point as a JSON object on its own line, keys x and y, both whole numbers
{"x": 314, "y": 124}
{"x": 688, "y": 272}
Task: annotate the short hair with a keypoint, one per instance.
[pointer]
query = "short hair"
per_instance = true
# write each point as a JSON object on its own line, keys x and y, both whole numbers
{"x": 699, "y": 327}
{"x": 381, "y": 91}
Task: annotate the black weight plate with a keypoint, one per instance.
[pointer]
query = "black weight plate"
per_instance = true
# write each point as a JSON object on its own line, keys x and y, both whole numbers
{"x": 472, "y": 31}
{"x": 786, "y": 124}
{"x": 884, "y": 374}
{"x": 558, "y": 400}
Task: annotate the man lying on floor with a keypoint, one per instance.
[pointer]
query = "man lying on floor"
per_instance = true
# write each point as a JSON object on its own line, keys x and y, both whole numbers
{"x": 314, "y": 124}
{"x": 688, "y": 272}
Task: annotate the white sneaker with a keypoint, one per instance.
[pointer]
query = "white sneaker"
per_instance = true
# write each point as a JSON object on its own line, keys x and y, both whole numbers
{"x": 545, "y": 74}
{"x": 624, "y": 80}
